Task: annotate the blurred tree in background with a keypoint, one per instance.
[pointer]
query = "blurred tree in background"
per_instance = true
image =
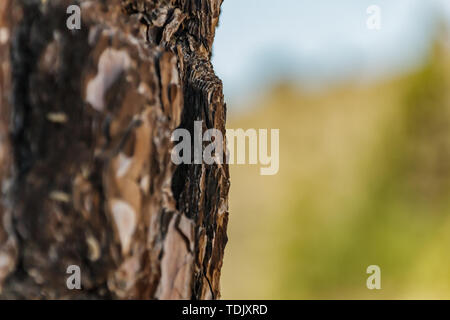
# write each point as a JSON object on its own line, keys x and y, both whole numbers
{"x": 364, "y": 180}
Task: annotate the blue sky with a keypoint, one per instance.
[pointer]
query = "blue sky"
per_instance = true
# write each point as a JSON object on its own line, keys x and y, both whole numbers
{"x": 319, "y": 42}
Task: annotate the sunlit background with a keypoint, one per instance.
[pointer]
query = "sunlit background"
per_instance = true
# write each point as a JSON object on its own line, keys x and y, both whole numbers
{"x": 364, "y": 119}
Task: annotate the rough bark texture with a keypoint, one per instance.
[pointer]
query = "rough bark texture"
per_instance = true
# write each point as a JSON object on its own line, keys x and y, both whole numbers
{"x": 85, "y": 168}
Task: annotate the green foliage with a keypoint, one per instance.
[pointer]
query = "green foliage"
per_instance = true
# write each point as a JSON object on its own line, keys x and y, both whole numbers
{"x": 364, "y": 179}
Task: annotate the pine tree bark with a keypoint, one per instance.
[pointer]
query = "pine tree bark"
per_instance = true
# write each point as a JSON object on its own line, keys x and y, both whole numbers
{"x": 85, "y": 150}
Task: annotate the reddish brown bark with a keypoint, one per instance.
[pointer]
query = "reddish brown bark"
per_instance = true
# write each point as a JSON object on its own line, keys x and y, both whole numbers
{"x": 87, "y": 178}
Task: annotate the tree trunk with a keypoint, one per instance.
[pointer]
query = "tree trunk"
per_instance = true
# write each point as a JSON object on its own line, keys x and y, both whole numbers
{"x": 85, "y": 150}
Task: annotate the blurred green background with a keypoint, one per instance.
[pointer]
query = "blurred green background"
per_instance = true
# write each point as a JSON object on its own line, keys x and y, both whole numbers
{"x": 364, "y": 180}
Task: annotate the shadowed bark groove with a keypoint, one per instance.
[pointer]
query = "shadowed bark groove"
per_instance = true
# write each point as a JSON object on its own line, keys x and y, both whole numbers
{"x": 85, "y": 168}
